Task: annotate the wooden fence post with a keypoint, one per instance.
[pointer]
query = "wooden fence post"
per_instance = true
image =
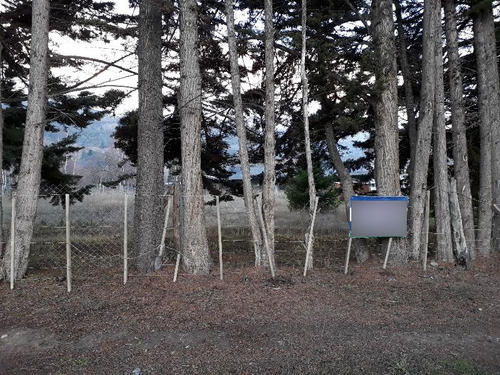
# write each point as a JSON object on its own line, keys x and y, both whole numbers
{"x": 346, "y": 266}
{"x": 68, "y": 245}
{"x": 426, "y": 227}
{"x": 125, "y": 239}
{"x": 176, "y": 216}
{"x": 12, "y": 241}
{"x": 387, "y": 253}
{"x": 219, "y": 232}
{"x": 177, "y": 262}
{"x": 165, "y": 225}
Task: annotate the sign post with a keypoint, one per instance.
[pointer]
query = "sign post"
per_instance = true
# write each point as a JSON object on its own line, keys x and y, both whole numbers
{"x": 377, "y": 216}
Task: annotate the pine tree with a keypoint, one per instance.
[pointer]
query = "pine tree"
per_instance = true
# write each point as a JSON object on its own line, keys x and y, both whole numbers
{"x": 31, "y": 160}
{"x": 425, "y": 121}
{"x": 195, "y": 250}
{"x": 242, "y": 134}
{"x": 149, "y": 186}
{"x": 459, "y": 133}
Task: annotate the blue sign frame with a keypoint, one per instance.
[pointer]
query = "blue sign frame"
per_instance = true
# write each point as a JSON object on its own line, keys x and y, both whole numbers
{"x": 378, "y": 216}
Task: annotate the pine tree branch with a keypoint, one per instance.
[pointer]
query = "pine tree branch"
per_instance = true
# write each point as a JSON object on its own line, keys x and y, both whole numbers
{"x": 107, "y": 63}
{"x": 360, "y": 16}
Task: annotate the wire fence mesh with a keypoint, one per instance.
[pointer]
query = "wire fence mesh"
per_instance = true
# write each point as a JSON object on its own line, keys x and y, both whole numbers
{"x": 95, "y": 227}
{"x": 97, "y": 235}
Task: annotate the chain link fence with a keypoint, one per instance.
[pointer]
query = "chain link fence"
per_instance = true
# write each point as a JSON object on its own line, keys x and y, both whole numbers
{"x": 95, "y": 224}
{"x": 101, "y": 227}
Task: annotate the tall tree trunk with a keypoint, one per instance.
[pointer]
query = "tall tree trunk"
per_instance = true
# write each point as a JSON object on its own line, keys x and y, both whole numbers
{"x": 242, "y": 134}
{"x": 495, "y": 135}
{"x": 28, "y": 185}
{"x": 460, "y": 154}
{"x": 409, "y": 98}
{"x": 489, "y": 115}
{"x": 307, "y": 138}
{"x": 441, "y": 185}
{"x": 360, "y": 249}
{"x": 148, "y": 202}
{"x": 386, "y": 110}
{"x": 1, "y": 160}
{"x": 424, "y": 131}
{"x": 268, "y": 190}
{"x": 195, "y": 250}
{"x": 459, "y": 242}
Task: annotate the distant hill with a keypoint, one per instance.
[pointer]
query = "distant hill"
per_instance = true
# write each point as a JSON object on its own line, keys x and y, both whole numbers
{"x": 96, "y": 135}
{"x": 98, "y": 143}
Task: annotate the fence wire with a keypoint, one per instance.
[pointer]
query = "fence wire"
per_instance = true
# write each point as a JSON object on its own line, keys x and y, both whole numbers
{"x": 97, "y": 223}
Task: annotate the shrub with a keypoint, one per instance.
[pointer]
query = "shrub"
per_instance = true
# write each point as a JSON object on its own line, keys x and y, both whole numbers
{"x": 297, "y": 190}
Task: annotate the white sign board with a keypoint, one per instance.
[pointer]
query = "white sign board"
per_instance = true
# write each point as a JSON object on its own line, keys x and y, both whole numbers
{"x": 378, "y": 216}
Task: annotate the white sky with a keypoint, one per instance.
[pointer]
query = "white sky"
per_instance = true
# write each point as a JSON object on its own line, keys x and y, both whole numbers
{"x": 120, "y": 79}
{"x": 112, "y": 77}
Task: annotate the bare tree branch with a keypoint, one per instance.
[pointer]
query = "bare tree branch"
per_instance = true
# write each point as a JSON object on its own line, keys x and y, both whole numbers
{"x": 109, "y": 64}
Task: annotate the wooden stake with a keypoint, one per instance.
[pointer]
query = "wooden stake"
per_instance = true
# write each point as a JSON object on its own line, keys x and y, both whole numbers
{"x": 264, "y": 234}
{"x": 346, "y": 267}
{"x": 310, "y": 237}
{"x": 125, "y": 239}
{"x": 68, "y": 245}
{"x": 221, "y": 271}
{"x": 165, "y": 223}
{"x": 387, "y": 253}
{"x": 12, "y": 241}
{"x": 177, "y": 262}
{"x": 426, "y": 227}
{"x": 176, "y": 216}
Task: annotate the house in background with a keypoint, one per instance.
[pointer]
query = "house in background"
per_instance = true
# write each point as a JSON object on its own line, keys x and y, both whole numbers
{"x": 360, "y": 187}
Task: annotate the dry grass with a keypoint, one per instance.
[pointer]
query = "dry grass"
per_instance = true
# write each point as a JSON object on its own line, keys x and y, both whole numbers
{"x": 234, "y": 214}
{"x": 106, "y": 208}
{"x": 97, "y": 232}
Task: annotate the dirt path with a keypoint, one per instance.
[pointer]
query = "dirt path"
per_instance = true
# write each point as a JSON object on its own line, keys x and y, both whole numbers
{"x": 445, "y": 321}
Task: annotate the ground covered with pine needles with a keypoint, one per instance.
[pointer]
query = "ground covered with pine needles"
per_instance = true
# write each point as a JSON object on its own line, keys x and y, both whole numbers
{"x": 445, "y": 320}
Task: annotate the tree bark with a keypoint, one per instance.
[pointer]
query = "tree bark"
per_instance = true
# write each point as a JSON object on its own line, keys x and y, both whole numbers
{"x": 307, "y": 138}
{"x": 459, "y": 242}
{"x": 409, "y": 98}
{"x": 424, "y": 131}
{"x": 441, "y": 187}
{"x": 242, "y": 135}
{"x": 28, "y": 185}
{"x": 386, "y": 104}
{"x": 196, "y": 254}
{"x": 459, "y": 134}
{"x": 485, "y": 51}
{"x": 489, "y": 96}
{"x": 268, "y": 189}
{"x": 360, "y": 249}
{"x": 495, "y": 133}
{"x": 1, "y": 159}
{"x": 386, "y": 110}
{"x": 148, "y": 202}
